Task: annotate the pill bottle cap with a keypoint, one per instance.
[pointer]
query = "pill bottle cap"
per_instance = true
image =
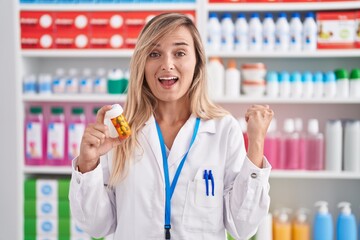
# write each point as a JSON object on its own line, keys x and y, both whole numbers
{"x": 35, "y": 110}
{"x": 116, "y": 110}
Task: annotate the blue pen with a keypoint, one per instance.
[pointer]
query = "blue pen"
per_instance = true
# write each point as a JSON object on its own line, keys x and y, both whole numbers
{"x": 212, "y": 183}
{"x": 206, "y": 177}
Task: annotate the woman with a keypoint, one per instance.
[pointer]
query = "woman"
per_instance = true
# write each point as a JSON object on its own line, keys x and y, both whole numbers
{"x": 128, "y": 187}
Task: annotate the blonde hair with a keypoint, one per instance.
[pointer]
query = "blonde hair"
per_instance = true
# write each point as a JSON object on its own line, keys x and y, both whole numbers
{"x": 141, "y": 102}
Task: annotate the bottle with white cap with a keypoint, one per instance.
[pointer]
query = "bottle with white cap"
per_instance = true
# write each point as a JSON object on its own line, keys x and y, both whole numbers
{"x": 227, "y": 33}
{"x": 100, "y": 81}
{"x": 241, "y": 33}
{"x": 346, "y": 228}
{"x": 72, "y": 82}
{"x": 333, "y": 145}
{"x": 301, "y": 225}
{"x": 115, "y": 120}
{"x": 59, "y": 81}
{"x": 213, "y": 32}
{"x": 289, "y": 148}
{"x": 216, "y": 73}
{"x": 314, "y": 146}
{"x": 268, "y": 36}
{"x": 323, "y": 223}
{"x": 351, "y": 146}
{"x": 302, "y": 143}
{"x": 86, "y": 82}
{"x": 232, "y": 80}
{"x": 255, "y": 33}
{"x": 282, "y": 33}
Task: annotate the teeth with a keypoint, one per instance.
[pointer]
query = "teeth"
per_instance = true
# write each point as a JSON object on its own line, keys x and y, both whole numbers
{"x": 167, "y": 78}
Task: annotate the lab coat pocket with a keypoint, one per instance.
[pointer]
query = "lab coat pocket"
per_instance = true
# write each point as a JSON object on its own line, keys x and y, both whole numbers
{"x": 203, "y": 209}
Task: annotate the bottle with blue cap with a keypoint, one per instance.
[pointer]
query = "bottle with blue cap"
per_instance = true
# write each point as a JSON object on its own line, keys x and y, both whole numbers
{"x": 268, "y": 36}
{"x": 296, "y": 84}
{"x": 308, "y": 85}
{"x": 323, "y": 223}
{"x": 282, "y": 33}
{"x": 227, "y": 33}
{"x": 284, "y": 84}
{"x": 241, "y": 33}
{"x": 255, "y": 33}
{"x": 329, "y": 84}
{"x": 296, "y": 29}
{"x": 309, "y": 41}
{"x": 346, "y": 223}
{"x": 318, "y": 84}
{"x": 272, "y": 84}
{"x": 213, "y": 32}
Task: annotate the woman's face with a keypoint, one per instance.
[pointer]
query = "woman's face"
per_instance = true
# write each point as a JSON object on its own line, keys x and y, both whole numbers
{"x": 169, "y": 68}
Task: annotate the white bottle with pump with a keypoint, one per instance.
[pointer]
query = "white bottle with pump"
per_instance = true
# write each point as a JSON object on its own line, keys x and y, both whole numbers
{"x": 334, "y": 145}
{"x": 214, "y": 33}
{"x": 268, "y": 36}
{"x": 227, "y": 33}
{"x": 255, "y": 33}
{"x": 309, "y": 41}
{"x": 232, "y": 80}
{"x": 296, "y": 29}
{"x": 282, "y": 33}
{"x": 346, "y": 228}
{"x": 241, "y": 33}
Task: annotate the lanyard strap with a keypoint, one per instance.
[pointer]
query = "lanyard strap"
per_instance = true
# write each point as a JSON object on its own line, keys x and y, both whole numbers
{"x": 169, "y": 189}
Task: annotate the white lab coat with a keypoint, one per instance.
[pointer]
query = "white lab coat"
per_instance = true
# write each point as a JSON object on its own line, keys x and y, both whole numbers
{"x": 134, "y": 210}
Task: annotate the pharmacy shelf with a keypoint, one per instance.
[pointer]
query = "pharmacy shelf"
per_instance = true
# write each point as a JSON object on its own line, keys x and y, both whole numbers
{"x": 66, "y": 170}
{"x": 81, "y": 53}
{"x": 313, "y": 174}
{"x": 281, "y": 6}
{"x": 104, "y": 98}
{"x": 264, "y": 99}
{"x": 109, "y": 7}
{"x": 342, "y": 53}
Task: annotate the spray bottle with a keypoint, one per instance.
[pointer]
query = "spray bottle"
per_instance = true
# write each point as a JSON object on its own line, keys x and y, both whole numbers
{"x": 323, "y": 223}
{"x": 346, "y": 223}
{"x": 301, "y": 226}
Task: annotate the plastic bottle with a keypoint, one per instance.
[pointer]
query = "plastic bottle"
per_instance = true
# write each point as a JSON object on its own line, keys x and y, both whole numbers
{"x": 282, "y": 225}
{"x": 309, "y": 41}
{"x": 271, "y": 144}
{"x": 255, "y": 33}
{"x": 35, "y": 138}
{"x": 333, "y": 145}
{"x": 45, "y": 84}
{"x": 76, "y": 128}
{"x": 296, "y": 30}
{"x": 351, "y": 146}
{"x": 355, "y": 83}
{"x": 216, "y": 75}
{"x": 308, "y": 84}
{"x": 323, "y": 223}
{"x": 56, "y": 139}
{"x": 100, "y": 81}
{"x": 72, "y": 82}
{"x": 86, "y": 82}
{"x": 265, "y": 229}
{"x": 318, "y": 82}
{"x": 284, "y": 84}
{"x": 346, "y": 223}
{"x": 342, "y": 83}
{"x": 289, "y": 146}
{"x": 30, "y": 84}
{"x": 227, "y": 33}
{"x": 272, "y": 84}
{"x": 268, "y": 34}
{"x": 314, "y": 146}
{"x": 214, "y": 32}
{"x": 59, "y": 81}
{"x": 296, "y": 85}
{"x": 329, "y": 84}
{"x": 232, "y": 80}
{"x": 114, "y": 83}
{"x": 301, "y": 225}
{"x": 302, "y": 143}
{"x": 241, "y": 33}
{"x": 119, "y": 127}
{"x": 282, "y": 33}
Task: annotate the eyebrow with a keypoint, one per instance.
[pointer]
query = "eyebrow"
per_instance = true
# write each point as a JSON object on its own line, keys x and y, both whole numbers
{"x": 174, "y": 44}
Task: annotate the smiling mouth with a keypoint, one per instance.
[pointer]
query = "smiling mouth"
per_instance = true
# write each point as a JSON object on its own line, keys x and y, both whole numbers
{"x": 168, "y": 81}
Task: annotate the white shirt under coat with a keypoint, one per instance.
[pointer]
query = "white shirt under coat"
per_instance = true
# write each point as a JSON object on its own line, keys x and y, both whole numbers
{"x": 134, "y": 210}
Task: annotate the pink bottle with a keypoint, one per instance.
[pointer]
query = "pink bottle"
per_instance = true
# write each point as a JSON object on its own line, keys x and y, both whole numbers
{"x": 302, "y": 143}
{"x": 35, "y": 149}
{"x": 271, "y": 145}
{"x": 314, "y": 146}
{"x": 289, "y": 149}
{"x": 56, "y": 139}
{"x": 76, "y": 128}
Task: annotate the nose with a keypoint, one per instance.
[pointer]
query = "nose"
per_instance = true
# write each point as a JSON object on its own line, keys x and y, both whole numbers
{"x": 167, "y": 63}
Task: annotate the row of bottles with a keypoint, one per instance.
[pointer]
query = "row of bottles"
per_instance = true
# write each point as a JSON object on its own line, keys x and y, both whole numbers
{"x": 113, "y": 81}
{"x": 266, "y": 35}
{"x": 104, "y": 1}
{"x": 253, "y": 79}
{"x": 55, "y": 140}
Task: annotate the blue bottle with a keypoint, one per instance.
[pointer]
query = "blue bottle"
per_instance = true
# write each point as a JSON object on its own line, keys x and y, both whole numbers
{"x": 346, "y": 223}
{"x": 323, "y": 223}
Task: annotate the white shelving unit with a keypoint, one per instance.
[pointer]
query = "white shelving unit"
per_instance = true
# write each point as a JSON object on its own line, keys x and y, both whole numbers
{"x": 288, "y": 188}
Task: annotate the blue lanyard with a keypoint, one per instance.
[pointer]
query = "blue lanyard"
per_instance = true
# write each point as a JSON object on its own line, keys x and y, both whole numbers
{"x": 169, "y": 189}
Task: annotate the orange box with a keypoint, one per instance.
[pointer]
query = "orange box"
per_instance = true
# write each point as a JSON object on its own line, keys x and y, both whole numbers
{"x": 36, "y": 21}
{"x": 71, "y": 21}
{"x": 71, "y": 40}
{"x": 106, "y": 40}
{"x": 36, "y": 40}
{"x": 336, "y": 30}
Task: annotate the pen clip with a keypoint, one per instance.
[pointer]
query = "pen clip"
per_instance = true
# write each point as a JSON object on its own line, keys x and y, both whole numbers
{"x": 212, "y": 183}
{"x": 206, "y": 177}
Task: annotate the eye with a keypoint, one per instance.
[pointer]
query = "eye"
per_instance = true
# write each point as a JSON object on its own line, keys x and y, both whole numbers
{"x": 154, "y": 54}
{"x": 180, "y": 54}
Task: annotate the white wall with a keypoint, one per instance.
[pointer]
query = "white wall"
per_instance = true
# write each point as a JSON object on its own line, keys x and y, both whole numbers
{"x": 10, "y": 185}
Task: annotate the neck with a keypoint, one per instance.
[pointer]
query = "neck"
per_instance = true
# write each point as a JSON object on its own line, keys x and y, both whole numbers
{"x": 173, "y": 112}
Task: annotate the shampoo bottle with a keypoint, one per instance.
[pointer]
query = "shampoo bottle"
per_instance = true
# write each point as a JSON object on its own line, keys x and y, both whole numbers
{"x": 323, "y": 223}
{"x": 301, "y": 226}
{"x": 346, "y": 223}
{"x": 282, "y": 225}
